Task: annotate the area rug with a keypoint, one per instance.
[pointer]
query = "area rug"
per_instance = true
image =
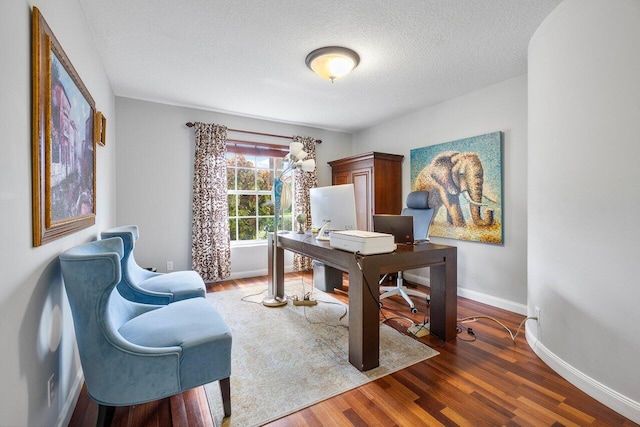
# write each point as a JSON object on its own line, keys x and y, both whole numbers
{"x": 287, "y": 358}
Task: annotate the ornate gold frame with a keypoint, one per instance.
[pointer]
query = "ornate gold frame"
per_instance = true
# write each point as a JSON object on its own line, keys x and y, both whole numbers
{"x": 75, "y": 160}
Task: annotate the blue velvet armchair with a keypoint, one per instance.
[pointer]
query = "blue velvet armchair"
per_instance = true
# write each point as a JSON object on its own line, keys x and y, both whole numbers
{"x": 133, "y": 353}
{"x": 140, "y": 285}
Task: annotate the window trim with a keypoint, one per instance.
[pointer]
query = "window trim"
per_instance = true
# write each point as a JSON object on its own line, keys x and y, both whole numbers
{"x": 254, "y": 148}
{"x": 239, "y": 146}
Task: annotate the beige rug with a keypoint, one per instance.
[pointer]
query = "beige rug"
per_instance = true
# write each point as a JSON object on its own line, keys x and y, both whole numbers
{"x": 287, "y": 358}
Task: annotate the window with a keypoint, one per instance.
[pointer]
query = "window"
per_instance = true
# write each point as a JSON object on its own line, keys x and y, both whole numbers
{"x": 249, "y": 188}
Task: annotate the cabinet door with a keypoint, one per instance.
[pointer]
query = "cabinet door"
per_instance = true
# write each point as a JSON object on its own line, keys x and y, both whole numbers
{"x": 339, "y": 178}
{"x": 362, "y": 185}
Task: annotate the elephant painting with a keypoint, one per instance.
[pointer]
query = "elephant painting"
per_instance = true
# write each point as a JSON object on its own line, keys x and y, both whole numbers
{"x": 457, "y": 180}
{"x": 449, "y": 176}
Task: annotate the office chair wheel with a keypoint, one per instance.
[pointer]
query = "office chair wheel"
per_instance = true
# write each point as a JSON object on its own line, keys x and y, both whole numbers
{"x": 414, "y": 310}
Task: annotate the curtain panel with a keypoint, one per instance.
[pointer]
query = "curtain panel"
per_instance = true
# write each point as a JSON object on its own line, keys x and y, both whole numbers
{"x": 210, "y": 240}
{"x": 304, "y": 181}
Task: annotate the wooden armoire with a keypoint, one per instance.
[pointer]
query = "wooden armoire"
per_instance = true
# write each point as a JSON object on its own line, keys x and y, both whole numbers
{"x": 377, "y": 179}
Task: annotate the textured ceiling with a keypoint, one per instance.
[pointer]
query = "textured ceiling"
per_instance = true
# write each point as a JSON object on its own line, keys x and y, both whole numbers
{"x": 247, "y": 57}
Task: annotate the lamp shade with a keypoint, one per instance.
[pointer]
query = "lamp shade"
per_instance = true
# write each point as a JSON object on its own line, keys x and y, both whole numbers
{"x": 295, "y": 148}
{"x": 332, "y": 62}
{"x": 307, "y": 165}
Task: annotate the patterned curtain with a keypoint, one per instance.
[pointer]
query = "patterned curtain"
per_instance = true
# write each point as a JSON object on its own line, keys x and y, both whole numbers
{"x": 303, "y": 182}
{"x": 210, "y": 241}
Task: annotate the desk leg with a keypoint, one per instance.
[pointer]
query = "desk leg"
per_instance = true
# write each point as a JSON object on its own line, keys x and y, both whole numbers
{"x": 275, "y": 272}
{"x": 444, "y": 298}
{"x": 364, "y": 328}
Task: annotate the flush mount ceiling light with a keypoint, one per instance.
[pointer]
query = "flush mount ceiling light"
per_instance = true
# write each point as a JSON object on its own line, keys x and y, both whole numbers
{"x": 332, "y": 62}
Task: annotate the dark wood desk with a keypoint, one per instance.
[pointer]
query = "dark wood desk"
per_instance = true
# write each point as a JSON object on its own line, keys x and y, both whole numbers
{"x": 364, "y": 274}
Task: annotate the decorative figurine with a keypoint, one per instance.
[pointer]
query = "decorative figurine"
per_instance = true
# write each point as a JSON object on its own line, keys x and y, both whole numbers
{"x": 302, "y": 219}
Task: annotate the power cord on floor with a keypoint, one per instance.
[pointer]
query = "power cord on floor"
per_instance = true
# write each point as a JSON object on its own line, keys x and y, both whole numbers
{"x": 469, "y": 331}
{"x": 307, "y": 297}
{"x": 416, "y": 334}
{"x": 513, "y": 336}
{"x": 339, "y": 325}
{"x": 475, "y": 318}
{"x": 244, "y": 298}
{"x": 386, "y": 319}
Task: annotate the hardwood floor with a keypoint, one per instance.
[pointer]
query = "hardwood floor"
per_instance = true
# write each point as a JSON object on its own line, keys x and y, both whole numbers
{"x": 484, "y": 379}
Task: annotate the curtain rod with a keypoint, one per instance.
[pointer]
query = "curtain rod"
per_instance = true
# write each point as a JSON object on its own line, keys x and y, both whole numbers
{"x": 257, "y": 145}
{"x": 318, "y": 141}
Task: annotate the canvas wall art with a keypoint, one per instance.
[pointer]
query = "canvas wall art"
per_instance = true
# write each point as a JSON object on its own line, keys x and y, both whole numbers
{"x": 63, "y": 143}
{"x": 464, "y": 181}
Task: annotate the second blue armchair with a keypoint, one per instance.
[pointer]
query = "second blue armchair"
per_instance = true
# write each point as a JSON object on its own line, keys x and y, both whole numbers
{"x": 147, "y": 287}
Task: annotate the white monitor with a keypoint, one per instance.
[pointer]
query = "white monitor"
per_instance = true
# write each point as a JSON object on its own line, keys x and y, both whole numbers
{"x": 334, "y": 203}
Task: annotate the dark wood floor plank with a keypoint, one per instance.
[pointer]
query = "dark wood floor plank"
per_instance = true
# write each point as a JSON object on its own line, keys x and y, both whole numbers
{"x": 494, "y": 403}
{"x": 121, "y": 417}
{"x": 366, "y": 409}
{"x": 145, "y": 415}
{"x": 541, "y": 395}
{"x": 354, "y": 418}
{"x": 85, "y": 411}
{"x": 547, "y": 412}
{"x": 205, "y": 411}
{"x": 476, "y": 375}
{"x": 192, "y": 407}
{"x": 527, "y": 412}
{"x": 588, "y": 405}
{"x": 450, "y": 396}
{"x": 178, "y": 411}
{"x": 397, "y": 410}
{"x": 330, "y": 413}
{"x": 164, "y": 410}
{"x": 304, "y": 418}
{"x": 574, "y": 414}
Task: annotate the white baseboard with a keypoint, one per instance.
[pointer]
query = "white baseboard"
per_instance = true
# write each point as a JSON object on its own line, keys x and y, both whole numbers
{"x": 72, "y": 399}
{"x": 603, "y": 394}
{"x": 245, "y": 274}
{"x": 476, "y": 296}
{"x": 504, "y": 304}
{"x": 256, "y": 273}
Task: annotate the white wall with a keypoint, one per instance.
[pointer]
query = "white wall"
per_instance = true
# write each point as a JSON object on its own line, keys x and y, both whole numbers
{"x": 155, "y": 177}
{"x": 32, "y": 290}
{"x": 584, "y": 122}
{"x": 489, "y": 273}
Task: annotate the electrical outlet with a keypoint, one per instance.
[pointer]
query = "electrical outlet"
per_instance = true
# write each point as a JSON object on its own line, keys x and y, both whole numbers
{"x": 169, "y": 265}
{"x": 537, "y": 313}
{"x": 51, "y": 389}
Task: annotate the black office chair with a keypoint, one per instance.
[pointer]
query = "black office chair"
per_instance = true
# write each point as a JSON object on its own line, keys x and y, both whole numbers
{"x": 418, "y": 207}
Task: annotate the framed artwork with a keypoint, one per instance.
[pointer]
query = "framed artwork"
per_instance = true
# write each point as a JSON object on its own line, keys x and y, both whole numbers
{"x": 63, "y": 143}
{"x": 100, "y": 129}
{"x": 464, "y": 181}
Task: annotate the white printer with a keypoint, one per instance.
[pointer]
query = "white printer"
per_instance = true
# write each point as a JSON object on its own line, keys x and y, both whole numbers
{"x": 362, "y": 242}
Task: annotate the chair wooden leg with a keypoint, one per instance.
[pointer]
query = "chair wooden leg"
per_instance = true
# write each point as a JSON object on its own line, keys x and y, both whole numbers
{"x": 105, "y": 415}
{"x": 225, "y": 389}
